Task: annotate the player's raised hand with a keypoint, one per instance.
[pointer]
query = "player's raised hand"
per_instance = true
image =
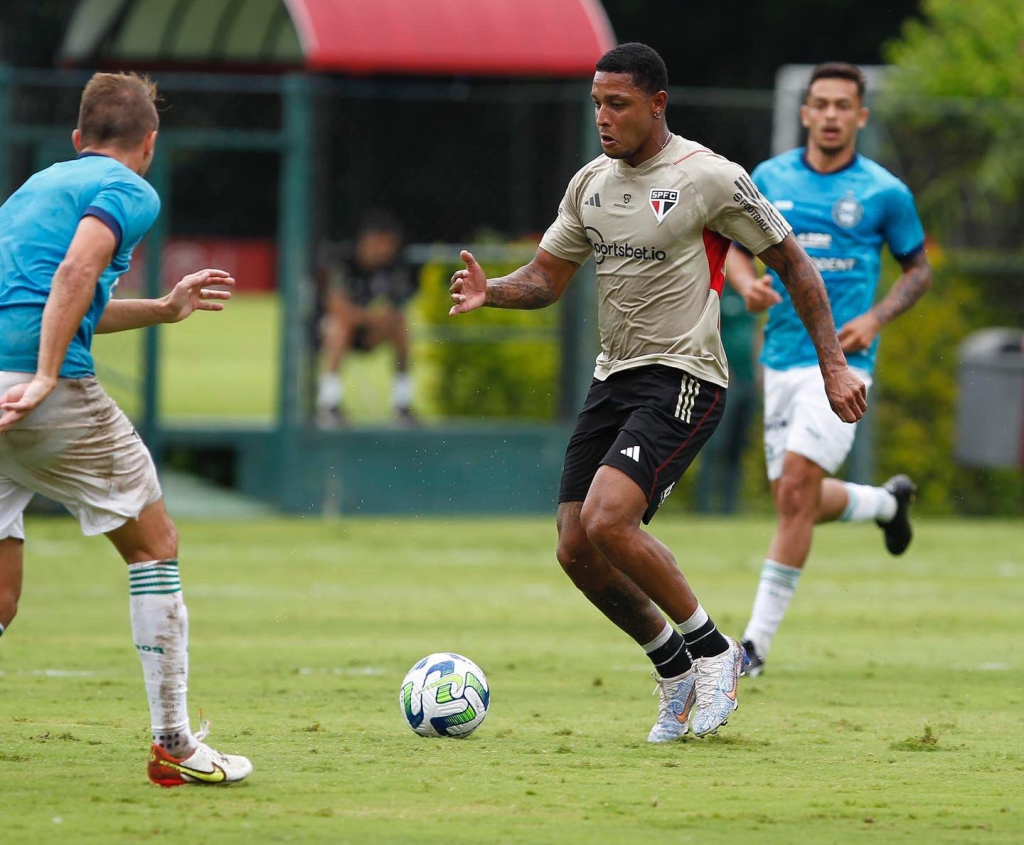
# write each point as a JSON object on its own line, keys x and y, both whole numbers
{"x": 190, "y": 294}
{"x": 759, "y": 295}
{"x": 858, "y": 334}
{"x": 846, "y": 394}
{"x": 19, "y": 401}
{"x": 469, "y": 286}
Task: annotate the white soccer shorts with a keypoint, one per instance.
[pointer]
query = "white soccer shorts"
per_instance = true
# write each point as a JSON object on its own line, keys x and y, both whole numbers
{"x": 79, "y": 449}
{"x": 798, "y": 418}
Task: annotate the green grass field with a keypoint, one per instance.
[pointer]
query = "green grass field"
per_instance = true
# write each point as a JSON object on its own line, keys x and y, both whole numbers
{"x": 891, "y": 711}
{"x": 225, "y": 366}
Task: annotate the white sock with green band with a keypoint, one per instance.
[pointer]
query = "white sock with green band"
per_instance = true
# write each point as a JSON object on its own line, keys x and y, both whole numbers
{"x": 776, "y": 588}
{"x": 864, "y": 503}
{"x": 160, "y": 631}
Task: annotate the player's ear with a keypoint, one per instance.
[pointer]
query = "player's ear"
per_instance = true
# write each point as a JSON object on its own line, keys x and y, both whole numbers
{"x": 658, "y": 103}
{"x": 862, "y": 117}
{"x": 804, "y": 110}
{"x": 149, "y": 144}
{"x": 76, "y": 140}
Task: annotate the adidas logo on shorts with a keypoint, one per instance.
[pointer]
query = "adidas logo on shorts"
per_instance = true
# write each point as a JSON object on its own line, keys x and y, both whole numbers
{"x": 631, "y": 452}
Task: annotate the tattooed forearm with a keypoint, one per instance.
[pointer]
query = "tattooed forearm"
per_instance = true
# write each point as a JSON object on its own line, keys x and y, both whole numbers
{"x": 906, "y": 290}
{"x": 807, "y": 291}
{"x": 528, "y": 287}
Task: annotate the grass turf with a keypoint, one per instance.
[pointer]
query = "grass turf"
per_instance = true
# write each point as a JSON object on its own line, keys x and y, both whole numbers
{"x": 226, "y": 366}
{"x": 890, "y": 712}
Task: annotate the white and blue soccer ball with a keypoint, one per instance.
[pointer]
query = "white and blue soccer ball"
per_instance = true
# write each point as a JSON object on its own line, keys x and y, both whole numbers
{"x": 444, "y": 694}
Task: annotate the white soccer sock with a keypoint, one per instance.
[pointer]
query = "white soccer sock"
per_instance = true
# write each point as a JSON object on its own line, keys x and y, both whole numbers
{"x": 331, "y": 391}
{"x": 660, "y": 640}
{"x": 160, "y": 631}
{"x": 401, "y": 391}
{"x": 866, "y": 502}
{"x": 778, "y": 583}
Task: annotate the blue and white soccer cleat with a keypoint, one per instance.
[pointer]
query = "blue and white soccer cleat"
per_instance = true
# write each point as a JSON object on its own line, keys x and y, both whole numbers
{"x": 677, "y": 696}
{"x": 716, "y": 681}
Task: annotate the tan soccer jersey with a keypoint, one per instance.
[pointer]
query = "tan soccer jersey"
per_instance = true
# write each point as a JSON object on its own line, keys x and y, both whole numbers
{"x": 659, "y": 234}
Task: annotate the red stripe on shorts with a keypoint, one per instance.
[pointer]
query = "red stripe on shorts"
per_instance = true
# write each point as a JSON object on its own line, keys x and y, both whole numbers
{"x": 654, "y": 484}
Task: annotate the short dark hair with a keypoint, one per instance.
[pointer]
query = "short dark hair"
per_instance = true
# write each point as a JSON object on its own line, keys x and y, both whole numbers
{"x": 379, "y": 220}
{"x": 640, "y": 61}
{"x": 838, "y": 70}
{"x": 118, "y": 109}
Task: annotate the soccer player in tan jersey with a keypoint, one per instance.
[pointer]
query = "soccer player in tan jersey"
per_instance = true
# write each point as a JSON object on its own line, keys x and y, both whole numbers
{"x": 658, "y": 213}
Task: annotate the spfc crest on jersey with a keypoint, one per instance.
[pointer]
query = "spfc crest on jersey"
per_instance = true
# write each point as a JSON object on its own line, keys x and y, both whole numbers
{"x": 663, "y": 201}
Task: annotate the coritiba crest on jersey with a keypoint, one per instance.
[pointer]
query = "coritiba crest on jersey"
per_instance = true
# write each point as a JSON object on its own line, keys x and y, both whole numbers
{"x": 847, "y": 211}
{"x": 663, "y": 201}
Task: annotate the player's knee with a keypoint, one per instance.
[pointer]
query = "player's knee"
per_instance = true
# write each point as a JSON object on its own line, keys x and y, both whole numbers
{"x": 604, "y": 528}
{"x": 795, "y": 497}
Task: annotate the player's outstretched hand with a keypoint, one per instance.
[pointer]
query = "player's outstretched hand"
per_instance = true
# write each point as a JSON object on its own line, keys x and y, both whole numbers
{"x": 190, "y": 294}
{"x": 18, "y": 402}
{"x": 469, "y": 286}
{"x": 858, "y": 334}
{"x": 759, "y": 295}
{"x": 846, "y": 394}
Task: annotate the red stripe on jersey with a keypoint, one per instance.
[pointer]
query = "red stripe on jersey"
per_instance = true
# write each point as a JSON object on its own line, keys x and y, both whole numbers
{"x": 716, "y": 247}
{"x": 685, "y": 157}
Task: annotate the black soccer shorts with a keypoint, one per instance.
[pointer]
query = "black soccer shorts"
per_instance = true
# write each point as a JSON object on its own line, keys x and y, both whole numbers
{"x": 648, "y": 422}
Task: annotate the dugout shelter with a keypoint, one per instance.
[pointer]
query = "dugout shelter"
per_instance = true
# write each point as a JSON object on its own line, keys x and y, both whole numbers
{"x": 285, "y": 118}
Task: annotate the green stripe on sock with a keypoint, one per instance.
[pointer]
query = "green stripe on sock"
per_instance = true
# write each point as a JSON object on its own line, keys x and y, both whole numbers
{"x": 138, "y": 573}
{"x": 143, "y": 585}
{"x": 154, "y": 592}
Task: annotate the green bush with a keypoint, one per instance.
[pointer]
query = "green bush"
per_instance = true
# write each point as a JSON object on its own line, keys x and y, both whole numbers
{"x": 491, "y": 362}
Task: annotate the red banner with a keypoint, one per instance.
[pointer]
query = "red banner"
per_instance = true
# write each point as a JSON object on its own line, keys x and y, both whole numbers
{"x": 253, "y": 262}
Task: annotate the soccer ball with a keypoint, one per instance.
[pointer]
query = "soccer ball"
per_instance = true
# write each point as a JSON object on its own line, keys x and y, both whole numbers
{"x": 444, "y": 694}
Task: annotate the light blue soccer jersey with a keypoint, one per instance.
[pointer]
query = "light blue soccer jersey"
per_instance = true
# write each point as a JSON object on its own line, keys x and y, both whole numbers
{"x": 841, "y": 219}
{"x": 37, "y": 224}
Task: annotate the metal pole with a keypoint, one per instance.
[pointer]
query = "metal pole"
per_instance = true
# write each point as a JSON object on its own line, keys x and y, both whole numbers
{"x": 155, "y": 242}
{"x": 579, "y": 305}
{"x": 294, "y": 288}
{"x": 294, "y": 248}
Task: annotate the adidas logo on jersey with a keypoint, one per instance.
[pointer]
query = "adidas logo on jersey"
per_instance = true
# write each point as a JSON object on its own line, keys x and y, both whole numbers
{"x": 594, "y": 200}
{"x": 631, "y": 452}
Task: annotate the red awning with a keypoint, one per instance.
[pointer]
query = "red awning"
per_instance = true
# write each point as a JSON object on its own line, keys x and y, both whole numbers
{"x": 460, "y": 37}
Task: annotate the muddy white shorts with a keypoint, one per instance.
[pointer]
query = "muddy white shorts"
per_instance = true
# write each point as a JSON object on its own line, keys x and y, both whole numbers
{"x": 798, "y": 418}
{"x": 79, "y": 449}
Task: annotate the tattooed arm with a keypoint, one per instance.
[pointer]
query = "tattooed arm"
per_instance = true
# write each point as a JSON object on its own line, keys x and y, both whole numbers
{"x": 846, "y": 393}
{"x": 913, "y": 283}
{"x": 535, "y": 285}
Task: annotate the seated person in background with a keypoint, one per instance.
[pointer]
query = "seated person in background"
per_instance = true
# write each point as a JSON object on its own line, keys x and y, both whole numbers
{"x": 367, "y": 286}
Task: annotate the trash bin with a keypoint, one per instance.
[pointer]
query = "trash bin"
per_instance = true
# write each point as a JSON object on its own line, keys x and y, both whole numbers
{"x": 990, "y": 413}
